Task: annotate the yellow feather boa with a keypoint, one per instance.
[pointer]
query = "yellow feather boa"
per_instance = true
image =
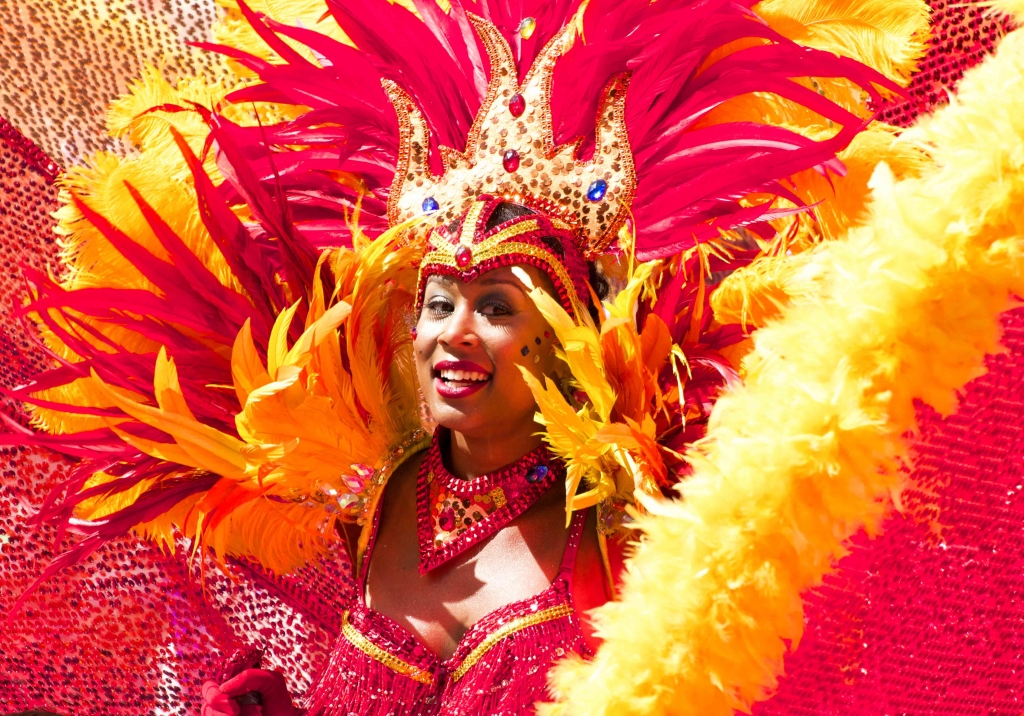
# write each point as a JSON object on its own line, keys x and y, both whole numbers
{"x": 804, "y": 453}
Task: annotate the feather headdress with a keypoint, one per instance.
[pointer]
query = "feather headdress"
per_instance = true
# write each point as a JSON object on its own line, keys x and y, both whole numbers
{"x": 226, "y": 373}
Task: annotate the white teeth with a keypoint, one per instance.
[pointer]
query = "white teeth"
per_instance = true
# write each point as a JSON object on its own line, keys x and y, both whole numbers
{"x": 463, "y": 375}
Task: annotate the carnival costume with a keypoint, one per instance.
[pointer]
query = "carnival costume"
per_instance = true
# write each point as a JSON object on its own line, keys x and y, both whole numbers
{"x": 231, "y": 353}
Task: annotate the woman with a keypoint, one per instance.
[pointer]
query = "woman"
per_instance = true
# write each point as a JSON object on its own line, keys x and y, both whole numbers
{"x": 262, "y": 398}
{"x": 472, "y": 339}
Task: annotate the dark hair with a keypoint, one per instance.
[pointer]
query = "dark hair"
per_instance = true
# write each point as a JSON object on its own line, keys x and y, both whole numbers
{"x": 601, "y": 288}
{"x": 597, "y": 280}
{"x": 506, "y": 211}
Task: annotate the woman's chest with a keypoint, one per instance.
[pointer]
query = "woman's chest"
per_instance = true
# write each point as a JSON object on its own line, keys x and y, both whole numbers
{"x": 517, "y": 562}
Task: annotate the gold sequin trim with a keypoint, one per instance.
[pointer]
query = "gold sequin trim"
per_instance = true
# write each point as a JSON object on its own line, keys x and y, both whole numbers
{"x": 512, "y": 247}
{"x": 469, "y": 225}
{"x": 554, "y": 174}
{"x": 491, "y": 242}
{"x": 498, "y": 495}
{"x": 562, "y": 610}
{"x": 375, "y": 652}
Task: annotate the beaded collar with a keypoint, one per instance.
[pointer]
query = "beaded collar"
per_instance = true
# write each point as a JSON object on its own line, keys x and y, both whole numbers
{"x": 453, "y": 515}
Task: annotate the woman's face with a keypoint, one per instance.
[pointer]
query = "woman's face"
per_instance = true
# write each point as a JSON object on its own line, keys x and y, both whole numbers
{"x": 470, "y": 338}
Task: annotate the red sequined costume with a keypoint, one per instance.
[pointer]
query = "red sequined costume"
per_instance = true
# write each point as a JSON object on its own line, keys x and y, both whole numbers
{"x": 847, "y": 664}
{"x": 499, "y": 667}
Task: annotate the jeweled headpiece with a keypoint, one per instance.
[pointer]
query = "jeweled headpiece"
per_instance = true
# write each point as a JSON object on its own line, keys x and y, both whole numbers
{"x": 511, "y": 153}
{"x": 475, "y": 243}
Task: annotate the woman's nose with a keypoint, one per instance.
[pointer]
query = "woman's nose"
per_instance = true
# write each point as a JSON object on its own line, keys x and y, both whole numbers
{"x": 460, "y": 328}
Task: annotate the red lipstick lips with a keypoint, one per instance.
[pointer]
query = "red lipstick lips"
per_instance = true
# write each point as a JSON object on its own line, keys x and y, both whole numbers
{"x": 463, "y": 378}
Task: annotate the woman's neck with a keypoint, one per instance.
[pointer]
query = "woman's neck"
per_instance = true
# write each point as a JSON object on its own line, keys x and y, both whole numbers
{"x": 472, "y": 456}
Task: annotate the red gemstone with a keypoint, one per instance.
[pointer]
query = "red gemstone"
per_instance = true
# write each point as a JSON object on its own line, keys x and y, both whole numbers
{"x": 446, "y": 520}
{"x": 517, "y": 105}
{"x": 510, "y": 161}
{"x": 463, "y": 255}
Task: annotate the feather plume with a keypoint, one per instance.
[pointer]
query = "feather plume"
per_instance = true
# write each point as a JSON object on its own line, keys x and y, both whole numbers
{"x": 806, "y": 452}
{"x": 889, "y": 36}
{"x": 1012, "y": 8}
{"x": 613, "y": 440}
{"x": 691, "y": 171}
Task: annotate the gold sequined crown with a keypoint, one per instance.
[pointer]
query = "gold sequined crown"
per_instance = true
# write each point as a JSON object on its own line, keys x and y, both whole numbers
{"x": 510, "y": 151}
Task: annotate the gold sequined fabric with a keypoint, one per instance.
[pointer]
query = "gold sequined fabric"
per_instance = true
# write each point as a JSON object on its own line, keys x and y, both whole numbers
{"x": 512, "y": 154}
{"x": 63, "y": 61}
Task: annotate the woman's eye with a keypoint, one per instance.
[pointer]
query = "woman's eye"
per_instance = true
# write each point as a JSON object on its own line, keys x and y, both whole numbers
{"x": 439, "y": 306}
{"x": 496, "y": 308}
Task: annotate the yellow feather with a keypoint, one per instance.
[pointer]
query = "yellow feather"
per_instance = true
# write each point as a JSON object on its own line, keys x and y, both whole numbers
{"x": 247, "y": 371}
{"x": 207, "y": 447}
{"x": 888, "y": 35}
{"x": 757, "y": 292}
{"x": 580, "y": 347}
{"x": 171, "y": 452}
{"x": 807, "y": 451}
{"x": 96, "y": 508}
{"x": 167, "y": 389}
{"x": 277, "y": 348}
{"x": 566, "y": 431}
{"x": 1011, "y": 8}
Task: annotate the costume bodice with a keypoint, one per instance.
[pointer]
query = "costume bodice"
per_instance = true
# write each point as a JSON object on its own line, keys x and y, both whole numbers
{"x": 378, "y": 668}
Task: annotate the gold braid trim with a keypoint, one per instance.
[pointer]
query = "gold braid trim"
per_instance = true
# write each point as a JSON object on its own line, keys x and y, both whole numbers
{"x": 510, "y": 247}
{"x": 562, "y": 610}
{"x": 375, "y": 652}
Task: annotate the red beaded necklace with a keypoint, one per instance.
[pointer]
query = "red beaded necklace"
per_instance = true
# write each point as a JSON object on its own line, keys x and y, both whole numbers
{"x": 453, "y": 515}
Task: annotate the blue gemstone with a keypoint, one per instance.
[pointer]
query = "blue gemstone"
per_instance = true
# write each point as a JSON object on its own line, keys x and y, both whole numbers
{"x": 430, "y": 205}
{"x": 537, "y": 474}
{"x": 596, "y": 191}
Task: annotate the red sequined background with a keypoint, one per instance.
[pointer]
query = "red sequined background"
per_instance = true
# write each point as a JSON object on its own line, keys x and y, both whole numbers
{"x": 927, "y": 619}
